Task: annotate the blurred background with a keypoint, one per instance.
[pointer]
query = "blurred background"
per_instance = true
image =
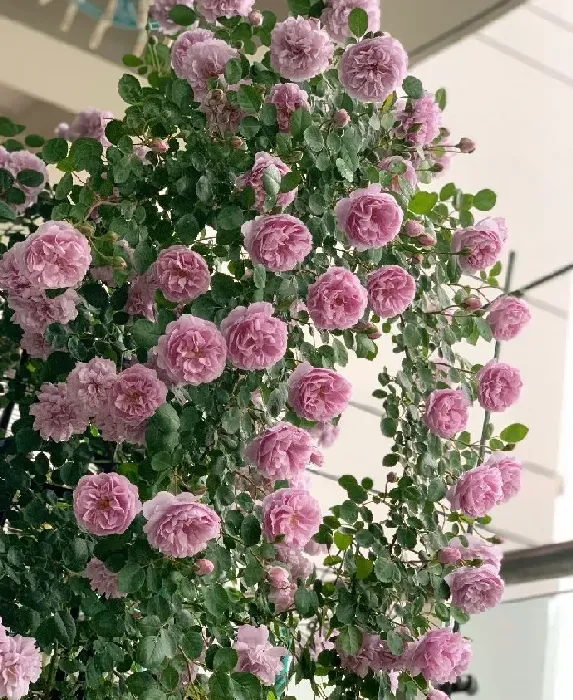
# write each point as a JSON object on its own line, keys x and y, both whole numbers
{"x": 507, "y": 67}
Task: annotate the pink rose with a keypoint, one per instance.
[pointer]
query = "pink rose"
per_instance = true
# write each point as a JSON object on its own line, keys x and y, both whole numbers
{"x": 57, "y": 414}
{"x": 183, "y": 43}
{"x": 278, "y": 577}
{"x": 475, "y": 590}
{"x": 20, "y": 665}
{"x": 499, "y": 386}
{"x": 283, "y": 598}
{"x": 105, "y": 504}
{"x": 318, "y": 394}
{"x": 257, "y": 655}
{"x": 446, "y": 412}
{"x": 373, "y": 68}
{"x": 281, "y": 452}
{"x": 420, "y": 120}
{"x": 24, "y": 160}
{"x": 437, "y": 695}
{"x": 341, "y": 118}
{"x": 34, "y": 311}
{"x": 181, "y": 274}
{"x": 279, "y": 242}
{"x": 297, "y": 564}
{"x": 89, "y": 123}
{"x": 370, "y": 218}
{"x": 136, "y": 394}
{"x": 102, "y": 580}
{"x": 509, "y": 468}
{"x": 213, "y": 9}
{"x": 414, "y": 229}
{"x": 255, "y": 338}
{"x": 159, "y": 12}
{"x": 255, "y": 178}
{"x": 141, "y": 297}
{"x": 13, "y": 275}
{"x": 336, "y": 300}
{"x": 476, "y": 492}
{"x": 440, "y": 656}
{"x": 204, "y": 567}
{"x": 56, "y": 256}
{"x": 287, "y": 97}
{"x": 292, "y": 513}
{"x": 35, "y": 345}
{"x": 91, "y": 384}
{"x": 200, "y": 61}
{"x": 374, "y": 655}
{"x": 336, "y": 13}
{"x": 325, "y": 434}
{"x": 507, "y": 317}
{"x": 478, "y": 549}
{"x": 390, "y": 290}
{"x": 480, "y": 246}
{"x": 179, "y": 526}
{"x": 300, "y": 49}
{"x": 449, "y": 556}
{"x": 409, "y": 173}
{"x": 113, "y": 429}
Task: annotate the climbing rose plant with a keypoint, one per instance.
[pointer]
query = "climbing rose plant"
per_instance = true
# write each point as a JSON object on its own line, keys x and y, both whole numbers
{"x": 177, "y": 312}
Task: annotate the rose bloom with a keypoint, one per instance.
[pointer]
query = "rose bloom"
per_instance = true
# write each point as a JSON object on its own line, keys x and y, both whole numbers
{"x": 57, "y": 414}
{"x": 507, "y": 317}
{"x": 480, "y": 246}
{"x": 257, "y": 655}
{"x": 336, "y": 13}
{"x": 283, "y": 598}
{"x": 113, "y": 429}
{"x": 181, "y": 274}
{"x": 20, "y": 665}
{"x": 287, "y": 97}
{"x": 424, "y": 114}
{"x": 373, "y": 68}
{"x": 336, "y": 300}
{"x": 318, "y": 394}
{"x": 24, "y": 160}
{"x": 213, "y": 9}
{"x": 499, "y": 386}
{"x": 476, "y": 492}
{"x": 475, "y": 590}
{"x": 13, "y": 275}
{"x": 105, "y": 504}
{"x": 440, "y": 656}
{"x": 56, "y": 256}
{"x": 292, "y": 513}
{"x": 35, "y": 345}
{"x": 280, "y": 242}
{"x": 282, "y": 451}
{"x": 296, "y": 563}
{"x": 198, "y": 62}
{"x": 141, "y": 297}
{"x": 179, "y": 526}
{"x": 449, "y": 556}
{"x": 370, "y": 218}
{"x": 183, "y": 43}
{"x": 255, "y": 338}
{"x": 409, "y": 173}
{"x": 159, "y": 12}
{"x": 102, "y": 580}
{"x": 255, "y": 178}
{"x": 390, "y": 290}
{"x": 34, "y": 311}
{"x": 204, "y": 567}
{"x": 374, "y": 655}
{"x": 325, "y": 434}
{"x": 509, "y": 468}
{"x": 91, "y": 384}
{"x": 278, "y": 577}
{"x": 478, "y": 548}
{"x": 446, "y": 412}
{"x": 136, "y": 394}
{"x": 89, "y": 123}
{"x": 300, "y": 49}
{"x": 436, "y": 695}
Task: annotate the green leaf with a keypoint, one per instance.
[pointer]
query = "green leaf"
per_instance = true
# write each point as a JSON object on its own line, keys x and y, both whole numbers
{"x": 249, "y": 127}
{"x": 6, "y": 211}
{"x": 131, "y": 577}
{"x": 484, "y": 200}
{"x": 413, "y": 87}
{"x": 389, "y": 426}
{"x": 34, "y": 141}
{"x": 182, "y": 15}
{"x": 483, "y": 328}
{"x": 30, "y": 178}
{"x": 259, "y": 276}
{"x": 145, "y": 333}
{"x": 340, "y": 352}
{"x": 290, "y": 181}
{"x": 230, "y": 218}
{"x": 306, "y": 601}
{"x": 269, "y": 114}
{"x": 342, "y": 540}
{"x": 231, "y": 420}
{"x": 225, "y": 659}
{"x": 192, "y": 644}
{"x": 250, "y": 531}
{"x": 299, "y": 7}
{"x": 55, "y": 150}
{"x": 9, "y": 128}
{"x": 95, "y": 295}
{"x": 436, "y": 489}
{"x": 395, "y": 642}
{"x": 358, "y": 21}
{"x": 364, "y": 567}
{"x": 233, "y": 71}
{"x": 249, "y": 98}
{"x": 299, "y": 121}
{"x": 412, "y": 336}
{"x": 514, "y": 433}
{"x": 216, "y": 600}
{"x": 129, "y": 89}
{"x": 152, "y": 651}
{"x": 76, "y": 554}
{"x": 220, "y": 687}
{"x": 386, "y": 571}
{"x": 313, "y": 136}
{"x": 65, "y": 628}
{"x": 349, "y": 640}
{"x": 448, "y": 191}
{"x": 423, "y": 202}
{"x": 131, "y": 61}
{"x": 441, "y": 98}
{"x": 272, "y": 180}
{"x": 85, "y": 154}
{"x": 390, "y": 460}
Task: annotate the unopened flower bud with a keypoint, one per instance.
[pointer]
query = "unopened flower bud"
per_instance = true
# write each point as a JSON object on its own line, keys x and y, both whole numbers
{"x": 159, "y": 146}
{"x": 255, "y": 18}
{"x": 237, "y": 142}
{"x": 427, "y": 239}
{"x": 466, "y": 145}
{"x": 216, "y": 94}
{"x": 248, "y": 274}
{"x": 341, "y": 117}
{"x": 437, "y": 168}
{"x": 413, "y": 229}
{"x": 472, "y": 303}
{"x": 444, "y": 132}
{"x": 204, "y": 567}
{"x": 496, "y": 539}
{"x": 392, "y": 477}
{"x": 374, "y": 334}
{"x": 417, "y": 259}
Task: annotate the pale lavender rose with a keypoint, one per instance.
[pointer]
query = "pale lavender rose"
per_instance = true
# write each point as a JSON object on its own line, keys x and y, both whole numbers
{"x": 287, "y": 97}
{"x": 315, "y": 549}
{"x": 479, "y": 246}
{"x": 297, "y": 564}
{"x": 102, "y": 580}
{"x": 136, "y": 394}
{"x": 255, "y": 338}
{"x": 324, "y": 434}
{"x": 437, "y": 695}
{"x": 409, "y": 173}
{"x": 420, "y": 120}
{"x": 105, "y": 274}
{"x": 318, "y": 394}
{"x": 449, "y": 556}
{"x": 341, "y": 118}
{"x": 278, "y": 577}
{"x": 318, "y": 644}
{"x": 507, "y": 317}
{"x": 91, "y": 384}
{"x": 283, "y": 597}
{"x": 89, "y": 123}
{"x": 141, "y": 297}
{"x": 446, "y": 412}
{"x": 213, "y": 9}
{"x": 113, "y": 429}
{"x": 414, "y": 229}
{"x": 255, "y": 178}
{"x": 390, "y": 290}
{"x": 20, "y": 665}
{"x": 181, "y": 274}
{"x": 204, "y": 567}
{"x": 510, "y": 471}
{"x": 280, "y": 242}
{"x": 472, "y": 303}
{"x": 337, "y": 300}
{"x": 257, "y": 655}
{"x": 374, "y": 655}
{"x": 440, "y": 656}
{"x": 292, "y": 513}
{"x": 159, "y": 12}
{"x": 370, "y": 218}
{"x": 301, "y": 480}
{"x": 56, "y": 256}
{"x": 281, "y": 452}
{"x": 476, "y": 492}
{"x": 499, "y": 386}
{"x": 13, "y": 274}
{"x": 34, "y": 311}
{"x": 183, "y": 43}
{"x": 179, "y": 526}
{"x": 57, "y": 414}
{"x": 24, "y": 160}
{"x": 475, "y": 590}
{"x": 373, "y": 68}
{"x": 478, "y": 548}
{"x": 300, "y": 49}
{"x": 198, "y": 62}
{"x": 335, "y": 17}
{"x": 105, "y": 504}
{"x": 35, "y": 345}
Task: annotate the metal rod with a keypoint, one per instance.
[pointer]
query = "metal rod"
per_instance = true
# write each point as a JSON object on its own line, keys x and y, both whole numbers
{"x": 547, "y": 562}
